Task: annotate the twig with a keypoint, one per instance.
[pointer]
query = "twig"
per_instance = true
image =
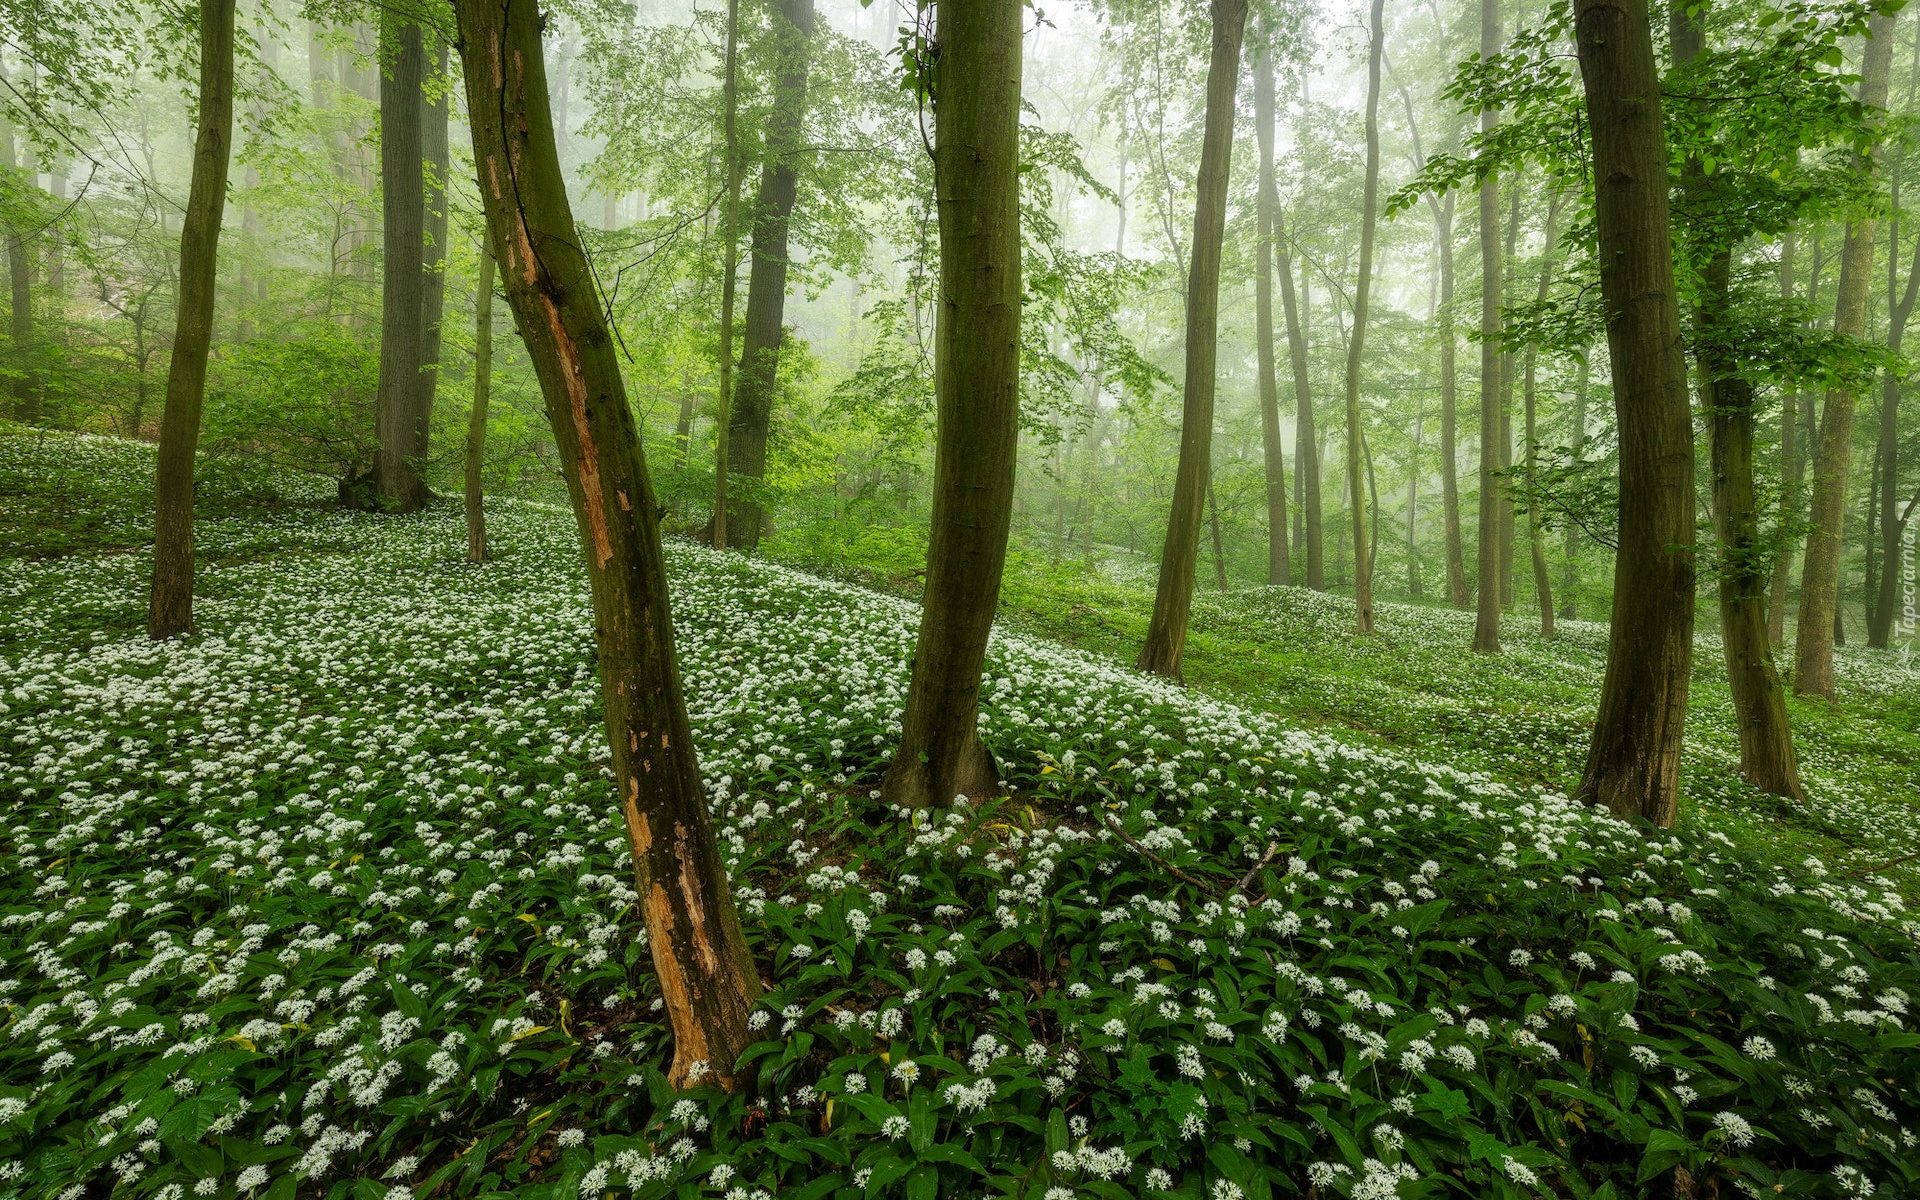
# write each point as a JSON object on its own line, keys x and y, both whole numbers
{"x": 1114, "y": 824}
{"x": 1883, "y": 866}
{"x": 1266, "y": 858}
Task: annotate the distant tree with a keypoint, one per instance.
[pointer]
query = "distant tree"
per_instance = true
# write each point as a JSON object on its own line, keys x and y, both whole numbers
{"x": 733, "y": 169}
{"x": 1486, "y": 627}
{"x": 1633, "y": 765}
{"x": 1173, "y": 598}
{"x": 477, "y": 418}
{"x": 1267, "y": 206}
{"x": 1357, "y": 338}
{"x": 701, "y": 961}
{"x": 170, "y": 605}
{"x": 397, "y": 485}
{"x": 976, "y": 148}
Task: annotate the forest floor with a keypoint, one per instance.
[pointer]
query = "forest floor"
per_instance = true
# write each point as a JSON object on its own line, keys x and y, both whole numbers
{"x": 1523, "y": 717}
{"x": 329, "y": 899}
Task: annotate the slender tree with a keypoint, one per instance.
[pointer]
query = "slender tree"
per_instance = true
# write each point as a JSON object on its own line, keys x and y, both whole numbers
{"x": 976, "y": 106}
{"x": 1486, "y": 626}
{"x": 751, "y": 414}
{"x": 1832, "y": 457}
{"x": 1633, "y": 766}
{"x": 1279, "y": 562}
{"x": 170, "y": 605}
{"x": 1356, "y": 343}
{"x": 1789, "y": 478}
{"x": 26, "y": 391}
{"x": 1306, "y": 440}
{"x": 706, "y": 975}
{"x": 397, "y": 484}
{"x": 1893, "y": 521}
{"x": 1727, "y": 397}
{"x": 1173, "y": 598}
{"x": 734, "y": 170}
{"x": 1536, "y": 535}
{"x": 482, "y": 393}
{"x": 433, "y": 282}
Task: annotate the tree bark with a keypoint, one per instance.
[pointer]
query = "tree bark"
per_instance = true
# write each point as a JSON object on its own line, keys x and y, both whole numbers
{"x": 433, "y": 299}
{"x": 1820, "y": 570}
{"x": 977, "y": 401}
{"x": 1279, "y": 561}
{"x": 1486, "y": 625}
{"x": 1633, "y": 766}
{"x": 1457, "y": 592}
{"x": 26, "y": 390}
{"x": 701, "y": 960}
{"x": 729, "y": 278}
{"x": 752, "y": 410}
{"x": 1356, "y": 344}
{"x": 477, "y": 418}
{"x": 397, "y": 485}
{"x": 1536, "y": 536}
{"x": 170, "y": 605}
{"x": 1173, "y": 598}
{"x": 1306, "y": 440}
{"x": 1789, "y": 480}
{"x": 1570, "y": 576}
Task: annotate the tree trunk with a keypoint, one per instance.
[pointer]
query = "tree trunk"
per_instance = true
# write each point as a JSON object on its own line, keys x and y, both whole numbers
{"x": 1633, "y": 767}
{"x": 705, "y": 973}
{"x": 26, "y": 391}
{"x": 170, "y": 607}
{"x": 1306, "y": 441}
{"x": 1537, "y": 537}
{"x": 433, "y": 299}
{"x": 729, "y": 279}
{"x": 1820, "y": 571}
{"x": 1486, "y": 626}
{"x": 477, "y": 419}
{"x": 1219, "y": 552}
{"x": 1457, "y": 592}
{"x": 1760, "y": 705}
{"x": 752, "y": 409}
{"x": 1570, "y": 577}
{"x": 1173, "y": 598}
{"x": 1414, "y": 586}
{"x": 977, "y": 401}
{"x": 1356, "y": 345}
{"x": 396, "y": 476}
{"x": 1880, "y": 628}
{"x": 1267, "y": 202}
{"x": 1789, "y": 480}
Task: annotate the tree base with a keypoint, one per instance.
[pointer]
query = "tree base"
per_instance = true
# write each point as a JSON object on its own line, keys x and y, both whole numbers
{"x": 913, "y": 782}
{"x": 360, "y": 493}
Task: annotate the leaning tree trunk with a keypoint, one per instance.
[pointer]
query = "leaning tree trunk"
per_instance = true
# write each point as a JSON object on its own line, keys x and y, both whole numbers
{"x": 700, "y": 958}
{"x": 1173, "y": 598}
{"x": 1759, "y": 703}
{"x": 1306, "y": 441}
{"x": 1536, "y": 536}
{"x": 1267, "y": 202}
{"x": 751, "y": 413}
{"x": 976, "y": 109}
{"x": 1789, "y": 480}
{"x": 1633, "y": 766}
{"x": 482, "y": 392}
{"x": 1356, "y": 344}
{"x": 170, "y": 606}
{"x": 433, "y": 284}
{"x": 397, "y": 486}
{"x": 1820, "y": 570}
{"x": 1486, "y": 624}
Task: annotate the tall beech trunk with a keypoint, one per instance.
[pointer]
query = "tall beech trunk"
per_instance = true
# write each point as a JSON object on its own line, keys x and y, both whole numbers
{"x": 977, "y": 401}
{"x": 1633, "y": 767}
{"x": 1789, "y": 479}
{"x": 396, "y": 477}
{"x": 170, "y": 605}
{"x": 1306, "y": 440}
{"x": 752, "y": 409}
{"x": 433, "y": 284}
{"x": 1457, "y": 592}
{"x": 1759, "y": 703}
{"x": 705, "y": 973}
{"x": 1486, "y": 623}
{"x": 1536, "y": 536}
{"x": 1820, "y": 569}
{"x": 482, "y": 392}
{"x": 729, "y": 278}
{"x": 1892, "y": 523}
{"x": 1267, "y": 203}
{"x": 1356, "y": 345}
{"x": 1173, "y": 598}
{"x": 26, "y": 391}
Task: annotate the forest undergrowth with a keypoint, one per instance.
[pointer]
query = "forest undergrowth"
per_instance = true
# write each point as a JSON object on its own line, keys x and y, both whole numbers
{"x": 329, "y": 899}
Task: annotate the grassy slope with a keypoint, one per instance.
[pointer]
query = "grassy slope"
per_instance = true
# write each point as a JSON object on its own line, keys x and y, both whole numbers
{"x": 1523, "y": 717}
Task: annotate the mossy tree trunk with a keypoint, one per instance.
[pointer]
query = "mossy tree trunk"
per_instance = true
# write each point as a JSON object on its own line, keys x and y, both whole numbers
{"x": 1486, "y": 625}
{"x": 170, "y": 605}
{"x": 1633, "y": 765}
{"x": 1173, "y": 598}
{"x": 397, "y": 486}
{"x": 700, "y": 958}
{"x": 433, "y": 282}
{"x": 976, "y": 125}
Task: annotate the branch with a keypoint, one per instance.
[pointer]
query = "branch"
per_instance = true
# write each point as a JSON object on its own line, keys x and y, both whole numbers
{"x": 1113, "y": 823}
